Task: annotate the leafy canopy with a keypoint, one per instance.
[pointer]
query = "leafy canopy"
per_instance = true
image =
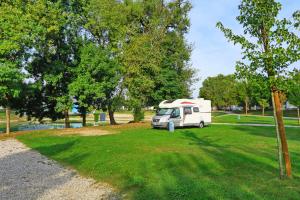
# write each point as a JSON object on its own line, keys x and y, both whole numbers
{"x": 269, "y": 44}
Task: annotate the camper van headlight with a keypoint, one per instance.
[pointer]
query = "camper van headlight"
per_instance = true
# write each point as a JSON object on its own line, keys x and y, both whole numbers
{"x": 155, "y": 120}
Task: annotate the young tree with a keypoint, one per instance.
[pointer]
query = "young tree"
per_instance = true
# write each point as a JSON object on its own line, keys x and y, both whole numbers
{"x": 243, "y": 90}
{"x": 272, "y": 48}
{"x": 264, "y": 103}
{"x": 11, "y": 80}
{"x": 256, "y": 88}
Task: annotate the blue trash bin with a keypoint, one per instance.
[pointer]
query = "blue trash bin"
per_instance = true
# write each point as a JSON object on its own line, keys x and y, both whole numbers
{"x": 171, "y": 126}
{"x": 102, "y": 117}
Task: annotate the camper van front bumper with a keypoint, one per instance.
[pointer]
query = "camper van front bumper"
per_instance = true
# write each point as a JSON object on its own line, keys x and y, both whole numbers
{"x": 159, "y": 124}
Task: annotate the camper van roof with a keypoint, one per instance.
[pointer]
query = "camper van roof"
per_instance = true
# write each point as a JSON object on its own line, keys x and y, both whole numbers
{"x": 180, "y": 102}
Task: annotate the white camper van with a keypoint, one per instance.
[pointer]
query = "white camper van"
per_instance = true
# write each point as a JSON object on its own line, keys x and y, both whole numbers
{"x": 183, "y": 112}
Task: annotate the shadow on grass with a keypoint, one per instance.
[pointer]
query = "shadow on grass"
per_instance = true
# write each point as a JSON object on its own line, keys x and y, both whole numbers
{"x": 223, "y": 173}
{"x": 52, "y": 150}
{"x": 57, "y": 152}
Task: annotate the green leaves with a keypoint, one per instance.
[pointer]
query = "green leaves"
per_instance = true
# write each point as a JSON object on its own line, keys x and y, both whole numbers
{"x": 294, "y": 89}
{"x": 273, "y": 44}
{"x": 157, "y": 55}
{"x": 221, "y": 90}
{"x": 10, "y": 82}
{"x": 296, "y": 16}
{"x": 97, "y": 77}
{"x": 96, "y": 52}
{"x": 264, "y": 103}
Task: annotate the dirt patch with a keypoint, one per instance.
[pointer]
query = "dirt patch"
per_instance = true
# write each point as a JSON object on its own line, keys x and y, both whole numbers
{"x": 85, "y": 131}
{"x": 127, "y": 126}
{"x": 88, "y": 131}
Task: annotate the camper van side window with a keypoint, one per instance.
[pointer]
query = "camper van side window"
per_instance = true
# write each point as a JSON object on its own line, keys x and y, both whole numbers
{"x": 187, "y": 110}
{"x": 176, "y": 113}
{"x": 196, "y": 109}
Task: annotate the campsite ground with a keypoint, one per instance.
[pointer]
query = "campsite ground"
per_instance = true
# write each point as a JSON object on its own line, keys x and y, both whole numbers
{"x": 251, "y": 119}
{"x": 217, "y": 162}
{"x": 126, "y": 116}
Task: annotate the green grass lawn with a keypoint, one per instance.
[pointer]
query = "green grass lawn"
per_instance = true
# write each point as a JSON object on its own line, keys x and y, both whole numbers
{"x": 217, "y": 162}
{"x": 286, "y": 113}
{"x": 230, "y": 118}
{"x": 217, "y": 113}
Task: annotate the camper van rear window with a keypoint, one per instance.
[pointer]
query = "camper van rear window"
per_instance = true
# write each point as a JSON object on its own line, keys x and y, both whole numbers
{"x": 196, "y": 109}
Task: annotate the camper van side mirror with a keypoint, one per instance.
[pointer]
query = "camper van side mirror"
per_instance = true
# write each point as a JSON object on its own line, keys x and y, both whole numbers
{"x": 174, "y": 115}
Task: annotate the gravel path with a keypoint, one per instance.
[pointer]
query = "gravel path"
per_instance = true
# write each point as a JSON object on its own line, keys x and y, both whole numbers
{"x": 26, "y": 174}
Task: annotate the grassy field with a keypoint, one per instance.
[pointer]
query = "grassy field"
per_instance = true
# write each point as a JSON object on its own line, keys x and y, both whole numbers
{"x": 286, "y": 113}
{"x": 217, "y": 162}
{"x": 230, "y": 118}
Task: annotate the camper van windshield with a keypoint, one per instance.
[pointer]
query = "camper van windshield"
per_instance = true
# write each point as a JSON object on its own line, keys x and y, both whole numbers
{"x": 165, "y": 111}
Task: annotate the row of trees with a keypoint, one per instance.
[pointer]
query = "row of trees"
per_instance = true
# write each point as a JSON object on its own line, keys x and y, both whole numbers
{"x": 269, "y": 46}
{"x": 226, "y": 91}
{"x": 98, "y": 54}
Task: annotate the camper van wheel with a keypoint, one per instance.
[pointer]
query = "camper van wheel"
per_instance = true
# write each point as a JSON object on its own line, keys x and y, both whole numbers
{"x": 201, "y": 125}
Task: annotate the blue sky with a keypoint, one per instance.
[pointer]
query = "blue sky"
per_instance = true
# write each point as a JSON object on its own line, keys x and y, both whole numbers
{"x": 212, "y": 54}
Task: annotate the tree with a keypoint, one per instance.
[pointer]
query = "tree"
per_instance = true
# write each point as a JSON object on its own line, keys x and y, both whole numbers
{"x": 106, "y": 27}
{"x": 243, "y": 90}
{"x": 11, "y": 80}
{"x": 294, "y": 92}
{"x": 221, "y": 90}
{"x": 274, "y": 45}
{"x": 264, "y": 103}
{"x": 55, "y": 52}
{"x": 14, "y": 34}
{"x": 156, "y": 55}
{"x": 254, "y": 89}
{"x": 175, "y": 75}
{"x": 98, "y": 76}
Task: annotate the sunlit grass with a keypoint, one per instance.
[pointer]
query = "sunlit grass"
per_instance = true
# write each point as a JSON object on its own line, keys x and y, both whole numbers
{"x": 249, "y": 119}
{"x": 217, "y": 162}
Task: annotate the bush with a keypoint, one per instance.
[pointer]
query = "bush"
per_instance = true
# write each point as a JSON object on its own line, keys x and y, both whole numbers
{"x": 138, "y": 114}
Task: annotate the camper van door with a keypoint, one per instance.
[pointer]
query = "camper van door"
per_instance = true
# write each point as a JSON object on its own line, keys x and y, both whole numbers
{"x": 175, "y": 117}
{"x": 187, "y": 116}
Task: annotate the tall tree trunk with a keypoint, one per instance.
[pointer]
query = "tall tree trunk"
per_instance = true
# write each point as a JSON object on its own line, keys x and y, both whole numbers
{"x": 7, "y": 111}
{"x": 83, "y": 119}
{"x": 111, "y": 114}
{"x": 263, "y": 111}
{"x": 246, "y": 107}
{"x": 279, "y": 151}
{"x": 282, "y": 133}
{"x": 298, "y": 111}
{"x": 67, "y": 119}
